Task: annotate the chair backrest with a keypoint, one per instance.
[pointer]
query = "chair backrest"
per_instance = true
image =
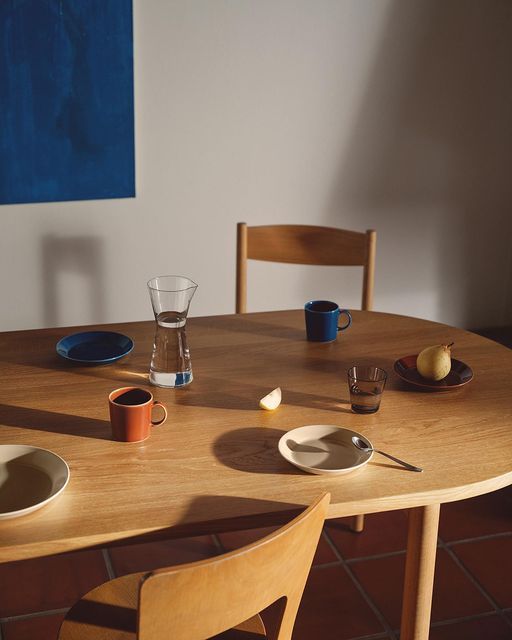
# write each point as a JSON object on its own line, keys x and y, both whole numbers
{"x": 199, "y": 600}
{"x": 304, "y": 244}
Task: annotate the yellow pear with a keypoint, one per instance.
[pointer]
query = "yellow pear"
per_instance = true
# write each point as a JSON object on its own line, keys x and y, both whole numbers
{"x": 272, "y": 400}
{"x": 434, "y": 363}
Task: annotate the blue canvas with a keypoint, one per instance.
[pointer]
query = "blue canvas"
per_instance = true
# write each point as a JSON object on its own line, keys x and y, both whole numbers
{"x": 66, "y": 100}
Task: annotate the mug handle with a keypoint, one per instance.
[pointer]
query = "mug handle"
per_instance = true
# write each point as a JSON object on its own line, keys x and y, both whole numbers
{"x": 160, "y": 404}
{"x": 349, "y": 319}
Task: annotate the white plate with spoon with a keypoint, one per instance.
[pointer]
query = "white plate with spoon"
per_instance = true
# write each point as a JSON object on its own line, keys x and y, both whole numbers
{"x": 30, "y": 478}
{"x": 324, "y": 449}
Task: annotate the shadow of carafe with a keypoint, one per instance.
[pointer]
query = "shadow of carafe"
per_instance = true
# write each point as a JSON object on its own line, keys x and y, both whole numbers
{"x": 219, "y": 393}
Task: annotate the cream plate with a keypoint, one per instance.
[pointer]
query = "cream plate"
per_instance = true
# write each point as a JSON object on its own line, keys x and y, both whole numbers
{"x": 323, "y": 449}
{"x": 29, "y": 478}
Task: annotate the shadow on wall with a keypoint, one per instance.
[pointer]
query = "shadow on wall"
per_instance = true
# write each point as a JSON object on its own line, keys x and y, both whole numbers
{"x": 428, "y": 162}
{"x": 72, "y": 267}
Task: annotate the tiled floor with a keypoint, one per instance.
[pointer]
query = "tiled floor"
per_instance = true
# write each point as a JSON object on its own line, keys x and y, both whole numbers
{"x": 353, "y": 592}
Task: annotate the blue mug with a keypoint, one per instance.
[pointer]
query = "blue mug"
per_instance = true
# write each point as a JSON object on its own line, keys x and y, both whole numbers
{"x": 322, "y": 320}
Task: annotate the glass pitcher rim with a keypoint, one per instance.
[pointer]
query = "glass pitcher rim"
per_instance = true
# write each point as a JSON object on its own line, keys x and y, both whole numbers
{"x": 192, "y": 284}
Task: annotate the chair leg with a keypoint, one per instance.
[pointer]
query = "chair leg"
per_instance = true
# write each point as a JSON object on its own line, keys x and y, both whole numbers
{"x": 357, "y": 524}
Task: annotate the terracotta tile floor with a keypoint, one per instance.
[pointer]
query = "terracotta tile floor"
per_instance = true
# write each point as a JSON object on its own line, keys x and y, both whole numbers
{"x": 354, "y": 589}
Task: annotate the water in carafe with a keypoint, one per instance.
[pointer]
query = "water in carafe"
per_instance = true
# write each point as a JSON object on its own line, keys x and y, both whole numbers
{"x": 170, "y": 361}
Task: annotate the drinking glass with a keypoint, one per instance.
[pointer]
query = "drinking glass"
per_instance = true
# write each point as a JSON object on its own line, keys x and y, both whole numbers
{"x": 170, "y": 361}
{"x": 366, "y": 385}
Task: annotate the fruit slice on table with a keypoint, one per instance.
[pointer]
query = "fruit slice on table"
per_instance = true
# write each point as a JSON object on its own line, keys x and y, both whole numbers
{"x": 434, "y": 363}
{"x": 272, "y": 400}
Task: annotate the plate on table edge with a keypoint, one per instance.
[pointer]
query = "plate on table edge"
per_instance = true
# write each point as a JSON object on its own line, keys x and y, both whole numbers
{"x": 311, "y": 461}
{"x": 27, "y": 476}
{"x": 104, "y": 346}
{"x": 460, "y": 374}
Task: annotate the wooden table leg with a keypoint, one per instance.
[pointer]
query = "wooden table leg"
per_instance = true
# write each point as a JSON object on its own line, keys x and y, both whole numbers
{"x": 357, "y": 524}
{"x": 419, "y": 572}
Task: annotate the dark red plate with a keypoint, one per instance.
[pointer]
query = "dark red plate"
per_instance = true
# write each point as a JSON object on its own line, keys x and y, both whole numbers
{"x": 460, "y": 374}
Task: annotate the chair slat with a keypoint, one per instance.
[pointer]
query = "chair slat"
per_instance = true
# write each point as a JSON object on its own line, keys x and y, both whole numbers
{"x": 303, "y": 244}
{"x": 308, "y": 245}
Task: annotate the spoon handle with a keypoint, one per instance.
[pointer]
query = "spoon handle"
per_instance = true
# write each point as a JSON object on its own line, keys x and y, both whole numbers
{"x": 411, "y": 467}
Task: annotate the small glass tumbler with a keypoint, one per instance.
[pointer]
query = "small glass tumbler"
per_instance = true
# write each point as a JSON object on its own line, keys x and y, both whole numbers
{"x": 366, "y": 385}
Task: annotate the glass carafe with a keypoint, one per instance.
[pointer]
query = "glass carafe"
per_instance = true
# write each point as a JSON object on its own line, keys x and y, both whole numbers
{"x": 170, "y": 361}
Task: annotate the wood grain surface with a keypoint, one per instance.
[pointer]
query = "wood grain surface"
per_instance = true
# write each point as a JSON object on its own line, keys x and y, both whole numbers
{"x": 214, "y": 465}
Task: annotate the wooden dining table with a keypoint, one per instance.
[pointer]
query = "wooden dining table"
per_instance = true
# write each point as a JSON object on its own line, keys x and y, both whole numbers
{"x": 214, "y": 465}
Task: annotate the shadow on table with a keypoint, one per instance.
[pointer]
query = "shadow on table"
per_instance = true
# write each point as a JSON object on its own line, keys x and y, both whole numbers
{"x": 328, "y": 359}
{"x": 218, "y": 393}
{"x": 64, "y": 423}
{"x": 214, "y": 514}
{"x": 123, "y": 371}
{"x": 243, "y": 323}
{"x": 253, "y": 450}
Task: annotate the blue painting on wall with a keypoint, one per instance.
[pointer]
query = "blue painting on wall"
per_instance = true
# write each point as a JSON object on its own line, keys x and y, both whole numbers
{"x": 66, "y": 100}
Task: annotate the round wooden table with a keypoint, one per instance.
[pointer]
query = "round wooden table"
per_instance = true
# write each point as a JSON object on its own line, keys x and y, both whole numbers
{"x": 214, "y": 465}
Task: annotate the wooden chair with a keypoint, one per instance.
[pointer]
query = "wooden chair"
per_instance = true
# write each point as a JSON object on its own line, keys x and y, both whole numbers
{"x": 210, "y": 598}
{"x": 304, "y": 244}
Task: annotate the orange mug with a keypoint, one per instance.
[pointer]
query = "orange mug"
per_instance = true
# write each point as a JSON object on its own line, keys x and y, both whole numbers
{"x": 130, "y": 413}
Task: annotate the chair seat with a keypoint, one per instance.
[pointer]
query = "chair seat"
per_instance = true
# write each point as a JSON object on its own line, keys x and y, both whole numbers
{"x": 109, "y": 612}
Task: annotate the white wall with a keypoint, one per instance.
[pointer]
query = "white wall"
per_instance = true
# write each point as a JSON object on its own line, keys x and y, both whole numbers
{"x": 352, "y": 113}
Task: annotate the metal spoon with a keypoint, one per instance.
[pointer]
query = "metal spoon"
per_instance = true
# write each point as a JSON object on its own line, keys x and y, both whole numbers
{"x": 361, "y": 444}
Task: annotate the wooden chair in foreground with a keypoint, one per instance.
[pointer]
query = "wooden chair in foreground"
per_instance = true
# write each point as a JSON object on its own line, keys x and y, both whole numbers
{"x": 220, "y": 597}
{"x": 305, "y": 244}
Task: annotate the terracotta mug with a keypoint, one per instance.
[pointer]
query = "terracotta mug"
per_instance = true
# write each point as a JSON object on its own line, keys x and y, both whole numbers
{"x": 130, "y": 413}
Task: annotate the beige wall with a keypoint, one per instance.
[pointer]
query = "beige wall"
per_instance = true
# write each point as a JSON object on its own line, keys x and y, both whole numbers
{"x": 389, "y": 114}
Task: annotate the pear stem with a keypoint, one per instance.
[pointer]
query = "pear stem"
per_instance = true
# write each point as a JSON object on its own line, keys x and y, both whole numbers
{"x": 450, "y": 345}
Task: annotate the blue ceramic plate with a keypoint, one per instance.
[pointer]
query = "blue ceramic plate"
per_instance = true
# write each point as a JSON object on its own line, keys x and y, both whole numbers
{"x": 94, "y": 347}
